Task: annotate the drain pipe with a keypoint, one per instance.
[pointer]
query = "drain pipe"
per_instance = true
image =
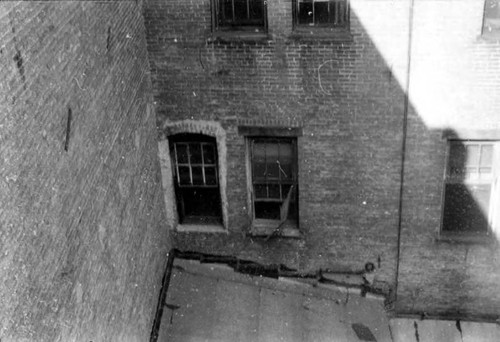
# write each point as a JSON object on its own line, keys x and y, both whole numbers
{"x": 163, "y": 295}
{"x": 403, "y": 144}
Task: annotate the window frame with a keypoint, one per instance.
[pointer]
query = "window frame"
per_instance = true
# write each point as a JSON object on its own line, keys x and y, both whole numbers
{"x": 262, "y": 226}
{"x": 246, "y": 30}
{"x": 181, "y": 190}
{"x": 322, "y": 30}
{"x": 493, "y": 216}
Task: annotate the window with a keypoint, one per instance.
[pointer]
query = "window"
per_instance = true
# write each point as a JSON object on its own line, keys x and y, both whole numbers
{"x": 322, "y": 13}
{"x": 246, "y": 15}
{"x": 470, "y": 197}
{"x": 196, "y": 178}
{"x": 274, "y": 180}
{"x": 491, "y": 20}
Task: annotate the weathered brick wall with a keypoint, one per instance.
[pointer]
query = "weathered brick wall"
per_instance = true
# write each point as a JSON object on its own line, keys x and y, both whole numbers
{"x": 455, "y": 82}
{"x": 347, "y": 97}
{"x": 83, "y": 238}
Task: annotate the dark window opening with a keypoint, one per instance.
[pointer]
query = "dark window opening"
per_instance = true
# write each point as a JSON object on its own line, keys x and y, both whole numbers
{"x": 322, "y": 13}
{"x": 249, "y": 15}
{"x": 274, "y": 178}
{"x": 196, "y": 178}
{"x": 491, "y": 20}
{"x": 469, "y": 187}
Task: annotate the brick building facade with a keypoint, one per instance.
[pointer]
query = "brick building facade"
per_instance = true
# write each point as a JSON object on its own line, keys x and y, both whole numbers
{"x": 359, "y": 112}
{"x": 82, "y": 245}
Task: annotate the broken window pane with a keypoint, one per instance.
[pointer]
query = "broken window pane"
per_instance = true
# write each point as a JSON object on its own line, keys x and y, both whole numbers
{"x": 273, "y": 164}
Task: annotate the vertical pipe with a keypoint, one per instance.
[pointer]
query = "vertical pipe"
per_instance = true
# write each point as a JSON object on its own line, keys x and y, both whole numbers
{"x": 403, "y": 144}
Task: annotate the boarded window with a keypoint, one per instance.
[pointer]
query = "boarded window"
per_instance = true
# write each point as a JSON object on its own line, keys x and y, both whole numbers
{"x": 322, "y": 13}
{"x": 274, "y": 177}
{"x": 196, "y": 178}
{"x": 469, "y": 190}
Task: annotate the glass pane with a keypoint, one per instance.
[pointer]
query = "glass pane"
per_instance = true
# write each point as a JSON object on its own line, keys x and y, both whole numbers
{"x": 260, "y": 191}
{"x": 305, "y": 15}
{"x": 197, "y": 175}
{"x": 182, "y": 155}
{"x": 456, "y": 162}
{"x": 338, "y": 16}
{"x": 208, "y": 154}
{"x": 285, "y": 171}
{"x": 267, "y": 210}
{"x": 472, "y": 155}
{"x": 259, "y": 171}
{"x": 257, "y": 9}
{"x": 200, "y": 203}
{"x": 272, "y": 170}
{"x": 185, "y": 178}
{"x": 240, "y": 10}
{"x": 272, "y": 155}
{"x": 466, "y": 208}
{"x": 321, "y": 13}
{"x": 195, "y": 153}
{"x": 225, "y": 12}
{"x": 272, "y": 152}
{"x": 210, "y": 176}
{"x": 274, "y": 191}
{"x": 471, "y": 173}
{"x": 259, "y": 151}
{"x": 486, "y": 155}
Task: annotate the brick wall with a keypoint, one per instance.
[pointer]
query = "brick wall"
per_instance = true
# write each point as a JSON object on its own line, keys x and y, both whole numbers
{"x": 454, "y": 88}
{"x": 83, "y": 238}
{"x": 346, "y": 96}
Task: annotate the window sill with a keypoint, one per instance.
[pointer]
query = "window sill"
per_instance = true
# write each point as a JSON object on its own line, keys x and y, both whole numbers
{"x": 322, "y": 34}
{"x": 239, "y": 36}
{"x": 466, "y": 238}
{"x": 200, "y": 228}
{"x": 265, "y": 228}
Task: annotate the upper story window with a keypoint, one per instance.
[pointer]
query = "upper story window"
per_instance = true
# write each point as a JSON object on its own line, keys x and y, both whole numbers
{"x": 491, "y": 20}
{"x": 242, "y": 15}
{"x": 471, "y": 198}
{"x": 322, "y": 13}
{"x": 196, "y": 178}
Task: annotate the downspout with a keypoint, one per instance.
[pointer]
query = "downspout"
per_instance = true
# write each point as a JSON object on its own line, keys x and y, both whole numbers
{"x": 403, "y": 144}
{"x": 163, "y": 295}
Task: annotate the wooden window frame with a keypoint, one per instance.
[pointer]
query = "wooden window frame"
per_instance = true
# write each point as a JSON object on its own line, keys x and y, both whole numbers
{"x": 343, "y": 26}
{"x": 221, "y": 25}
{"x": 265, "y": 226}
{"x": 493, "y": 216}
{"x": 183, "y": 190}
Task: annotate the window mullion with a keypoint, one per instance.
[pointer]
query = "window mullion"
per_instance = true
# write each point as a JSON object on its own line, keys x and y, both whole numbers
{"x": 189, "y": 164}
{"x": 203, "y": 164}
{"x": 233, "y": 19}
{"x": 177, "y": 165}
